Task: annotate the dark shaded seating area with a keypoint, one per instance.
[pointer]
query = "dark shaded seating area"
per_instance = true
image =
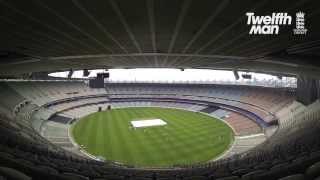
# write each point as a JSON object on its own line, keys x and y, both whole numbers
{"x": 210, "y": 109}
{"x": 60, "y": 119}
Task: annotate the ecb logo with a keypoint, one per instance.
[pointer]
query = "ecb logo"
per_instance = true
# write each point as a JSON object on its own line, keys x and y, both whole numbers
{"x": 300, "y": 29}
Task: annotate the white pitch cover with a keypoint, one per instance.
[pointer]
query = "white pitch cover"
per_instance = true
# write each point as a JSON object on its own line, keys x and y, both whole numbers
{"x": 147, "y": 123}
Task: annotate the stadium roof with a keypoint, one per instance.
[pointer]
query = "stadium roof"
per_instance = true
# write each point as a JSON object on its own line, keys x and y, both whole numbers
{"x": 46, "y": 35}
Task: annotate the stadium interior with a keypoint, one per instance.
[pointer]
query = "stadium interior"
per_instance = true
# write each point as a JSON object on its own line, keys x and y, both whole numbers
{"x": 275, "y": 126}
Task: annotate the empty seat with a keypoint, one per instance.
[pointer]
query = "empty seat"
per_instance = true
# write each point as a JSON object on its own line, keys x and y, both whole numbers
{"x": 112, "y": 177}
{"x": 47, "y": 169}
{"x": 277, "y": 171}
{"x": 196, "y": 178}
{"x": 167, "y": 178}
{"x": 13, "y": 174}
{"x": 252, "y": 174}
{"x": 140, "y": 178}
{"x": 229, "y": 178}
{"x": 240, "y": 172}
{"x": 313, "y": 171}
{"x": 73, "y": 176}
{"x": 294, "y": 177}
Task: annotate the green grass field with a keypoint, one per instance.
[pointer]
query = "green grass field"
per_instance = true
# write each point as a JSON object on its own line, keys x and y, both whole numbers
{"x": 188, "y": 137}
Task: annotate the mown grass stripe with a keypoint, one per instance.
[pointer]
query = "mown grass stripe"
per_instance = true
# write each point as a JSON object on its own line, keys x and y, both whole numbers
{"x": 188, "y": 137}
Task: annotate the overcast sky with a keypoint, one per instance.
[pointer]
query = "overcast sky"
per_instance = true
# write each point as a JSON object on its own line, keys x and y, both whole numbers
{"x": 166, "y": 75}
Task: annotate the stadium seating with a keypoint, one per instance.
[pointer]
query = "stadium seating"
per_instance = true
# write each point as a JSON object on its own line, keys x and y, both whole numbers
{"x": 31, "y": 143}
{"x": 241, "y": 124}
{"x": 43, "y": 92}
